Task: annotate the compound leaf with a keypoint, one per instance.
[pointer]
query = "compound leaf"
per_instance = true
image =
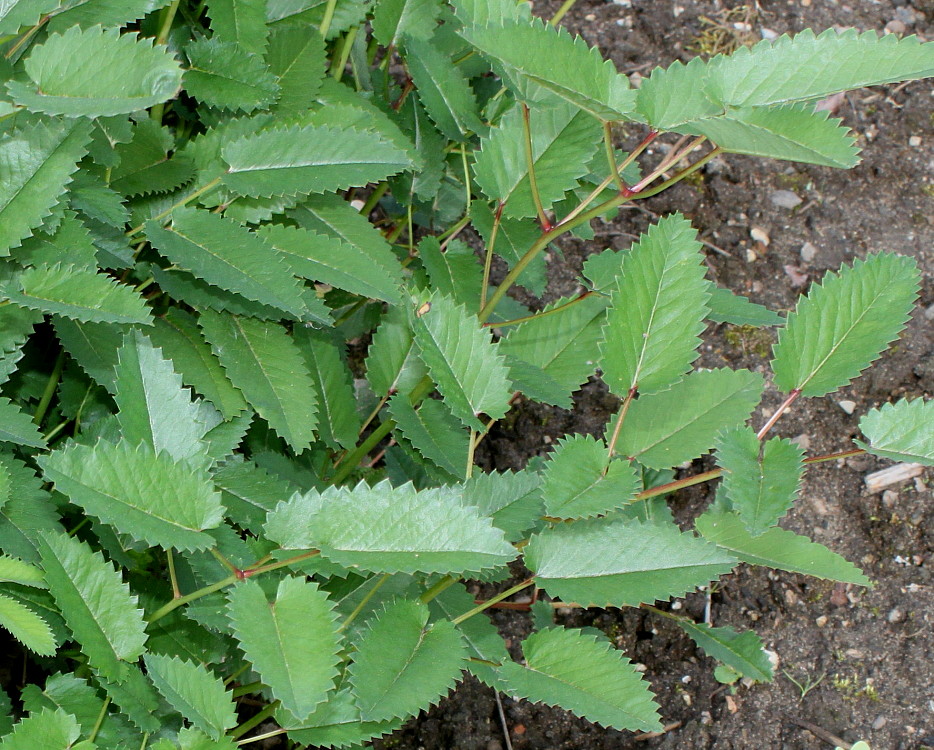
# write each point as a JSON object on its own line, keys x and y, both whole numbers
{"x": 903, "y": 431}
{"x": 97, "y": 72}
{"x": 292, "y": 643}
{"x": 743, "y": 651}
{"x": 124, "y": 486}
{"x": 47, "y": 729}
{"x": 402, "y": 664}
{"x": 93, "y": 346}
{"x": 26, "y": 626}
{"x": 588, "y": 677}
{"x": 844, "y": 324}
{"x": 223, "y": 74}
{"x": 17, "y": 427}
{"x": 622, "y": 563}
{"x": 100, "y": 611}
{"x": 242, "y": 22}
{"x": 193, "y": 691}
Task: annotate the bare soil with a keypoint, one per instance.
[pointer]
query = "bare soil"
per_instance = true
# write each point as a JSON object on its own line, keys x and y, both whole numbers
{"x": 856, "y": 663}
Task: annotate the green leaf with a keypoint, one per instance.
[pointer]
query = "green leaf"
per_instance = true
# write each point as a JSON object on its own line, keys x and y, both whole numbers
{"x": 464, "y": 363}
{"x": 45, "y": 729}
{"x": 434, "y": 432}
{"x": 564, "y": 140}
{"x": 576, "y": 671}
{"x": 844, "y": 324}
{"x": 510, "y": 499}
{"x": 144, "y": 164}
{"x": 18, "y": 13}
{"x": 28, "y": 511}
{"x": 26, "y": 626}
{"x": 319, "y": 257}
{"x": 622, "y": 563}
{"x": 297, "y": 160}
{"x": 36, "y": 165}
{"x": 777, "y": 548}
{"x": 513, "y": 238}
{"x": 415, "y": 19}
{"x": 743, "y": 652}
{"x": 179, "y": 337}
{"x": 443, "y": 90}
{"x": 223, "y": 74}
{"x": 673, "y": 96}
{"x": 901, "y": 431}
{"x": 549, "y": 357}
{"x": 242, "y": 22}
{"x": 77, "y": 293}
{"x": 292, "y": 643}
{"x": 100, "y": 611}
{"x": 296, "y": 57}
{"x": 726, "y": 307}
{"x": 810, "y": 67}
{"x": 96, "y": 73}
{"x": 580, "y": 480}
{"x": 540, "y": 62}
{"x": 263, "y": 361}
{"x": 124, "y": 486}
{"x": 249, "y": 492}
{"x": 392, "y": 362}
{"x": 14, "y": 570}
{"x": 402, "y": 666}
{"x": 86, "y": 13}
{"x": 134, "y": 695}
{"x": 668, "y": 428}
{"x": 93, "y": 346}
{"x": 193, "y": 691}
{"x": 491, "y": 12}
{"x": 71, "y": 244}
{"x": 223, "y": 253}
{"x": 335, "y": 723}
{"x": 387, "y": 529}
{"x": 760, "y": 481}
{"x": 17, "y": 427}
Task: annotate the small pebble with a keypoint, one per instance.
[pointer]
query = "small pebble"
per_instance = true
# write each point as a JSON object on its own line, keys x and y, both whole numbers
{"x": 798, "y": 278}
{"x": 895, "y": 615}
{"x": 821, "y": 621}
{"x": 914, "y": 141}
{"x": 760, "y": 235}
{"x": 848, "y": 406}
{"x": 807, "y": 252}
{"x": 879, "y": 722}
{"x": 769, "y": 34}
{"x": 929, "y": 312}
{"x": 751, "y": 256}
{"x": 590, "y": 17}
{"x": 786, "y": 199}
{"x": 895, "y": 27}
{"x": 494, "y": 745}
{"x": 803, "y": 441}
{"x": 889, "y": 498}
{"x": 853, "y": 653}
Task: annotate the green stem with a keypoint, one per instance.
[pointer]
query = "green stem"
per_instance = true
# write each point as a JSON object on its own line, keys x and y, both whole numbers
{"x": 50, "y": 387}
{"x": 461, "y": 223}
{"x": 166, "y": 17}
{"x": 25, "y": 38}
{"x": 495, "y": 600}
{"x": 328, "y": 17}
{"x": 363, "y": 602}
{"x": 250, "y": 687}
{"x": 253, "y": 721}
{"x": 466, "y": 166}
{"x": 345, "y": 54}
{"x": 543, "y": 314}
{"x": 471, "y": 450}
{"x": 183, "y": 202}
{"x": 436, "y": 588}
{"x": 611, "y": 446}
{"x": 371, "y": 202}
{"x": 562, "y": 12}
{"x": 172, "y": 578}
{"x": 193, "y": 596}
{"x": 100, "y": 720}
{"x": 488, "y": 257}
{"x": 792, "y": 397}
{"x": 255, "y": 571}
{"x": 530, "y": 165}
{"x": 259, "y": 737}
{"x": 611, "y": 155}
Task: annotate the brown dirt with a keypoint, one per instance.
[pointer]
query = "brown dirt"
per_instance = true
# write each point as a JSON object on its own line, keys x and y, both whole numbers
{"x": 867, "y": 653}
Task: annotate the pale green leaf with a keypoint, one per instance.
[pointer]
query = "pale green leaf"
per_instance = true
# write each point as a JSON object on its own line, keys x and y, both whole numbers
{"x": 540, "y": 62}
{"x": 336, "y": 724}
{"x": 124, "y": 486}
{"x": 223, "y": 253}
{"x": 574, "y": 670}
{"x": 97, "y": 201}
{"x": 263, "y": 361}
{"x": 335, "y": 217}
{"x": 511, "y": 499}
{"x": 415, "y": 19}
{"x": 36, "y": 165}
{"x": 70, "y": 244}
{"x": 93, "y": 346}
{"x": 903, "y": 431}
{"x": 433, "y": 431}
{"x": 513, "y": 238}
{"x": 249, "y": 492}
{"x": 43, "y": 730}
{"x": 727, "y": 307}
{"x": 14, "y": 14}
{"x": 492, "y": 12}
{"x": 242, "y": 22}
{"x": 144, "y": 165}
{"x": 17, "y": 427}
{"x": 616, "y": 563}
{"x": 292, "y": 643}
{"x": 666, "y": 429}
{"x": 28, "y": 511}
{"x": 104, "y": 13}
{"x": 96, "y": 73}
{"x": 193, "y": 691}
{"x": 743, "y": 651}
{"x": 223, "y": 74}
{"x": 673, "y": 96}
{"x": 190, "y": 738}
{"x": 296, "y": 57}
{"x": 844, "y": 324}
{"x": 402, "y": 664}
{"x": 454, "y": 271}
{"x": 77, "y": 293}
{"x": 777, "y": 548}
{"x": 100, "y": 611}
{"x": 392, "y": 362}
{"x": 14, "y": 570}
{"x": 26, "y": 626}
{"x": 564, "y": 140}
{"x": 463, "y": 361}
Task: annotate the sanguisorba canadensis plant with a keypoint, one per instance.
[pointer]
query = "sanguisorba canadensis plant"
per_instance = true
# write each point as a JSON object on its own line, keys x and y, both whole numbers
{"x": 203, "y": 497}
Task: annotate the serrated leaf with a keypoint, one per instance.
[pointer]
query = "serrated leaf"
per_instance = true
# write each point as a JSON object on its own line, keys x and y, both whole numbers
{"x": 296, "y": 57}
{"x": 190, "y": 738}
{"x": 335, "y": 723}
{"x": 673, "y": 96}
{"x": 777, "y": 548}
{"x": 123, "y": 485}
{"x": 332, "y": 261}
{"x": 392, "y": 361}
{"x": 93, "y": 346}
{"x": 240, "y": 21}
{"x": 513, "y": 238}
{"x": 28, "y": 511}
{"x": 433, "y": 431}
{"x": 14, "y": 570}
{"x": 26, "y": 626}
{"x": 223, "y": 74}
{"x": 807, "y": 66}
{"x": 335, "y": 217}
{"x": 97, "y": 201}
{"x": 95, "y": 602}
{"x": 297, "y": 160}
{"x": 77, "y": 293}
{"x": 263, "y": 361}
{"x": 96, "y": 73}
{"x": 580, "y": 480}
{"x": 760, "y": 481}
{"x": 582, "y": 674}
{"x": 668, "y": 428}
{"x": 622, "y": 563}
{"x": 903, "y": 431}
{"x": 86, "y": 13}
{"x": 401, "y": 665}
{"x": 17, "y": 427}
{"x": 15, "y": 14}
{"x": 387, "y": 529}
{"x": 413, "y": 18}
{"x": 540, "y": 62}
{"x": 292, "y": 643}
{"x": 564, "y": 140}
{"x": 145, "y": 166}
{"x": 657, "y": 311}
{"x": 249, "y": 492}
{"x": 222, "y": 252}
{"x": 491, "y": 12}
{"x": 70, "y": 244}
{"x": 510, "y": 499}
{"x": 134, "y": 695}
{"x": 743, "y": 651}
{"x": 844, "y": 324}
{"x": 455, "y": 271}
{"x": 36, "y": 165}
{"x": 462, "y": 360}
{"x": 193, "y": 691}
{"x": 45, "y": 729}
{"x": 727, "y": 307}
